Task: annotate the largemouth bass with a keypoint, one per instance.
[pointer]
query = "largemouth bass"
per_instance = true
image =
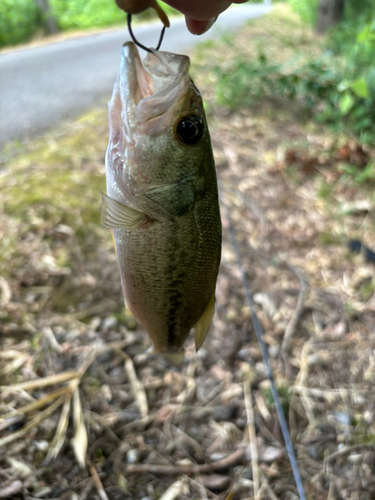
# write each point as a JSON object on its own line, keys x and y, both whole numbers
{"x": 162, "y": 198}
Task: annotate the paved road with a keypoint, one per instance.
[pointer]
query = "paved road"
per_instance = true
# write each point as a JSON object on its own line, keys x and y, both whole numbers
{"x": 41, "y": 86}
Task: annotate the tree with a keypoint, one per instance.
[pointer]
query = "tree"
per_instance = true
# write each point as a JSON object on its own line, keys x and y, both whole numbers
{"x": 330, "y": 12}
{"x": 50, "y": 24}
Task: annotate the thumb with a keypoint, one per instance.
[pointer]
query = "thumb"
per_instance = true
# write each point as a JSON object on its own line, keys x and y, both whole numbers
{"x": 199, "y": 27}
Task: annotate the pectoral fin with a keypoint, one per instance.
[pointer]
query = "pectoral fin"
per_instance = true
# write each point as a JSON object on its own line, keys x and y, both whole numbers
{"x": 115, "y": 215}
{"x": 204, "y": 322}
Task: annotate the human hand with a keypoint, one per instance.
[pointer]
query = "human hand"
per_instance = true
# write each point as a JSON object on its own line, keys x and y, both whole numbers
{"x": 200, "y": 15}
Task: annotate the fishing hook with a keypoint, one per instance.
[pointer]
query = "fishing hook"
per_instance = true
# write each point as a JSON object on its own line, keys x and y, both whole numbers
{"x": 140, "y": 44}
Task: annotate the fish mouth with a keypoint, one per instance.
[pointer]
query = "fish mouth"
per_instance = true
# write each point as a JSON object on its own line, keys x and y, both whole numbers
{"x": 152, "y": 89}
{"x": 134, "y": 78}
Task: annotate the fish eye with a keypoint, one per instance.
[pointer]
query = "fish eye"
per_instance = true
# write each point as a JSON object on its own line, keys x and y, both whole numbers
{"x": 189, "y": 129}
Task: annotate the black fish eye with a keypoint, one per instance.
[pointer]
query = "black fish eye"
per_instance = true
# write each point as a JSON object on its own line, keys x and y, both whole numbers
{"x": 189, "y": 129}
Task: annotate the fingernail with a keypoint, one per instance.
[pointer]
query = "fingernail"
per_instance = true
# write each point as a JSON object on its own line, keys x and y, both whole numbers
{"x": 210, "y": 23}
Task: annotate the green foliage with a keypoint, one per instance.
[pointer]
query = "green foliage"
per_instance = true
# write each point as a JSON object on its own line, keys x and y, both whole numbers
{"x": 356, "y": 42}
{"x": 327, "y": 238}
{"x": 360, "y": 175}
{"x": 74, "y": 14}
{"x": 319, "y": 84}
{"x": 84, "y": 14}
{"x": 306, "y": 9}
{"x": 355, "y": 11}
{"x": 285, "y": 397}
{"x": 353, "y": 38}
{"x": 367, "y": 289}
{"x": 325, "y": 190}
{"x": 350, "y": 50}
{"x": 334, "y": 87}
{"x": 19, "y": 21}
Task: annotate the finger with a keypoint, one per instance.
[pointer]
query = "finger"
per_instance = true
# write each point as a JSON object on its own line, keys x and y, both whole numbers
{"x": 200, "y": 10}
{"x": 199, "y": 27}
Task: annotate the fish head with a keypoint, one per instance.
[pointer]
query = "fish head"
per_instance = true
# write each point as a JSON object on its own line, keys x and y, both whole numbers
{"x": 158, "y": 128}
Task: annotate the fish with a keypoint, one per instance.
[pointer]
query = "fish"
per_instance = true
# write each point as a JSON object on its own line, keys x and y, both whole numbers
{"x": 162, "y": 198}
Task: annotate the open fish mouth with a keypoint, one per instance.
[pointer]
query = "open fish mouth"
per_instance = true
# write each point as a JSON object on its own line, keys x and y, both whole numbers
{"x": 152, "y": 89}
{"x": 137, "y": 82}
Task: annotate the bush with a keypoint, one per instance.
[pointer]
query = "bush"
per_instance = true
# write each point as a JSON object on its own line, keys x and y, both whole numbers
{"x": 306, "y": 9}
{"x": 19, "y": 21}
{"x": 354, "y": 10}
{"x": 337, "y": 86}
{"x": 320, "y": 84}
{"x": 84, "y": 14}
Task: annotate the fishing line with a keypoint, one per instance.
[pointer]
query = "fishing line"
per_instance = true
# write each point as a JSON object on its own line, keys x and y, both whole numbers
{"x": 254, "y": 317}
{"x": 147, "y": 49}
{"x": 266, "y": 360}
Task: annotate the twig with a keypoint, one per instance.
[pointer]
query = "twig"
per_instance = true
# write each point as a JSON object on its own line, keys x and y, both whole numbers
{"x": 252, "y": 436}
{"x": 51, "y": 339}
{"x": 15, "y": 364}
{"x": 98, "y": 484}
{"x": 80, "y": 436}
{"x": 87, "y": 362}
{"x": 267, "y": 486}
{"x": 263, "y": 410}
{"x": 30, "y": 385}
{"x": 302, "y": 378}
{"x": 105, "y": 305}
{"x": 347, "y": 450}
{"x": 188, "y": 393}
{"x": 174, "y": 490}
{"x": 60, "y": 433}
{"x": 7, "y": 491}
{"x": 36, "y": 421}
{"x": 200, "y": 487}
{"x": 11, "y": 420}
{"x": 136, "y": 425}
{"x": 187, "y": 439}
{"x": 35, "y": 405}
{"x": 9, "y": 354}
{"x": 296, "y": 316}
{"x": 328, "y": 394}
{"x": 24, "y": 345}
{"x": 110, "y": 346}
{"x": 137, "y": 386}
{"x": 85, "y": 493}
{"x": 79, "y": 440}
{"x": 226, "y": 463}
{"x": 6, "y": 292}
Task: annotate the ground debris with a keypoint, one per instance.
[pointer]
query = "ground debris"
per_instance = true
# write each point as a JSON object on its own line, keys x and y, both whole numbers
{"x": 77, "y": 383}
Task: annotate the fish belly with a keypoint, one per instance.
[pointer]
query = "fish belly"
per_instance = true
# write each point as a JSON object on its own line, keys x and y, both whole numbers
{"x": 169, "y": 271}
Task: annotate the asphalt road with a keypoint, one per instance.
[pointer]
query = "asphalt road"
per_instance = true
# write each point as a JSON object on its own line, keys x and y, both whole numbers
{"x": 41, "y": 86}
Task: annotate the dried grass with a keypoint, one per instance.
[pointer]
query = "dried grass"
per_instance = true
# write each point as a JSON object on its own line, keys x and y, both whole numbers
{"x": 62, "y": 322}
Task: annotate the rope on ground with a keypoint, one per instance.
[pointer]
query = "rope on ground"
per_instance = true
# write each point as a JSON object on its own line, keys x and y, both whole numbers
{"x": 266, "y": 360}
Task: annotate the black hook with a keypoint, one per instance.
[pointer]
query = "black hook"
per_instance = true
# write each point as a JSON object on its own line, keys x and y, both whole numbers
{"x": 138, "y": 43}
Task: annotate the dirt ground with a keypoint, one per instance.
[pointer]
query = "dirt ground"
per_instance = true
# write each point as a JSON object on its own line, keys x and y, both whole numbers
{"x": 73, "y": 364}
